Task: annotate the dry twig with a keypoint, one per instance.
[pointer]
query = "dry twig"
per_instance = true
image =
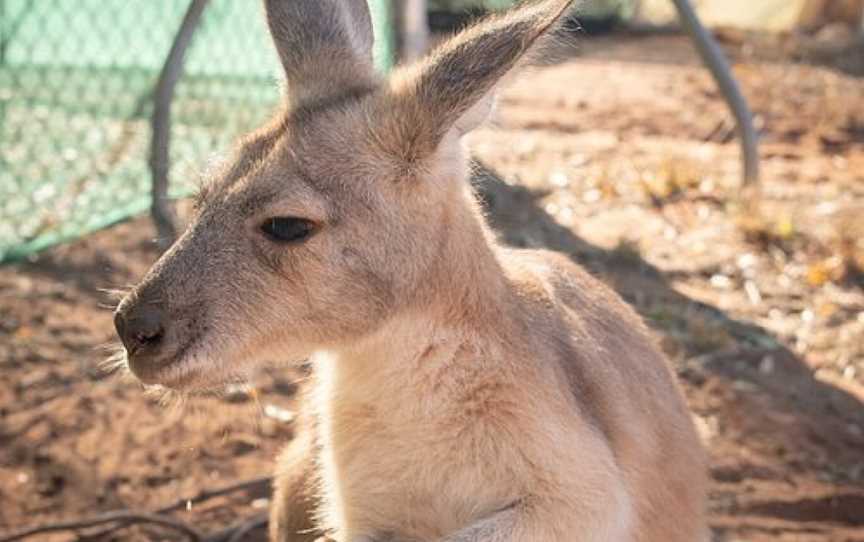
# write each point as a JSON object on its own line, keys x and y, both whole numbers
{"x": 124, "y": 518}
{"x": 238, "y": 531}
{"x": 247, "y": 485}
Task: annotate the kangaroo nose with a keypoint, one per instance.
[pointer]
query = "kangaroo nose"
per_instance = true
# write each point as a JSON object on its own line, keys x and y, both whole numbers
{"x": 139, "y": 325}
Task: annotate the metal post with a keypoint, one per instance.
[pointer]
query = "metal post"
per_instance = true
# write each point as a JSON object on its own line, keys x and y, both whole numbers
{"x": 861, "y": 26}
{"x": 160, "y": 162}
{"x": 714, "y": 58}
{"x": 382, "y": 17}
{"x": 413, "y": 29}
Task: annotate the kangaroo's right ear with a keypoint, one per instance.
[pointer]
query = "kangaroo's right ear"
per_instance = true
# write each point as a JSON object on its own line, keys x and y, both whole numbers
{"x": 325, "y": 47}
{"x": 451, "y": 90}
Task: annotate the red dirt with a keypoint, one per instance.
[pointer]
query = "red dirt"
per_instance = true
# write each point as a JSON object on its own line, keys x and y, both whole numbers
{"x": 621, "y": 157}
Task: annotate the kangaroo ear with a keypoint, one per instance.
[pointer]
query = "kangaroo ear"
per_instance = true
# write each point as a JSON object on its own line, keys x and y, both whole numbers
{"x": 325, "y": 47}
{"x": 452, "y": 89}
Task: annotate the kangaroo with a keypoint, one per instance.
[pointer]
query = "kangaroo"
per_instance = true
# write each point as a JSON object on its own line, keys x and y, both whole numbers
{"x": 463, "y": 391}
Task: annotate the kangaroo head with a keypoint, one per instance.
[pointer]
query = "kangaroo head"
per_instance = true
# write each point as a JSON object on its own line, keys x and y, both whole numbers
{"x": 335, "y": 216}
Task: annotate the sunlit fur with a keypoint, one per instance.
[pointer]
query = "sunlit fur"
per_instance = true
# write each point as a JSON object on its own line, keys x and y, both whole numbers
{"x": 462, "y": 391}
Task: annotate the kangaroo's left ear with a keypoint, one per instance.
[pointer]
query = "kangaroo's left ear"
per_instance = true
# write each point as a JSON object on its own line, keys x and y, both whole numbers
{"x": 452, "y": 89}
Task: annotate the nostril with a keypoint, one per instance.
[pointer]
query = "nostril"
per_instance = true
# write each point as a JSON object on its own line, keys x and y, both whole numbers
{"x": 149, "y": 335}
{"x": 139, "y": 326}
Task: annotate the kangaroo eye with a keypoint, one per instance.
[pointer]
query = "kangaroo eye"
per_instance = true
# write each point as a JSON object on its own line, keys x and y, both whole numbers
{"x": 287, "y": 229}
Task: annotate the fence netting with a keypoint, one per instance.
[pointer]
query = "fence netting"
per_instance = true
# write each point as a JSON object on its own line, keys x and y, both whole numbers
{"x": 76, "y": 83}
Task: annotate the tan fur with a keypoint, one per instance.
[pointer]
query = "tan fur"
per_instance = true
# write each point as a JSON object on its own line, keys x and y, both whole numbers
{"x": 463, "y": 391}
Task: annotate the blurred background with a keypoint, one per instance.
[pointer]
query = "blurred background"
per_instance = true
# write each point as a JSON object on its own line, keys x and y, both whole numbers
{"x": 620, "y": 150}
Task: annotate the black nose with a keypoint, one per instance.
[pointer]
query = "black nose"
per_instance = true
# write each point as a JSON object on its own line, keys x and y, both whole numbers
{"x": 139, "y": 325}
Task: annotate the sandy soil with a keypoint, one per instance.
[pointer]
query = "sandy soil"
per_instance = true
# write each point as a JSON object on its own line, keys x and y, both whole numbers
{"x": 622, "y": 156}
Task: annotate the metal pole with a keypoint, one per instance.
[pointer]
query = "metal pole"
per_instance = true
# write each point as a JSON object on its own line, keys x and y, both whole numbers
{"x": 160, "y": 162}
{"x": 714, "y": 58}
{"x": 382, "y": 12}
{"x": 413, "y": 29}
{"x": 861, "y": 26}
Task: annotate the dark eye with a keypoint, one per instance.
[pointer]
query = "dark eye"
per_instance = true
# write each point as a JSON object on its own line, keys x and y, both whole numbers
{"x": 287, "y": 229}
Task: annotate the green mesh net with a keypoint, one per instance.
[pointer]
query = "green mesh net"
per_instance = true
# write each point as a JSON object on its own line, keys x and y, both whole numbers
{"x": 76, "y": 78}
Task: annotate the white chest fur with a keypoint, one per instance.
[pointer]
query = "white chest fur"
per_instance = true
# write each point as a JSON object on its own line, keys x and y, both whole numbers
{"x": 396, "y": 459}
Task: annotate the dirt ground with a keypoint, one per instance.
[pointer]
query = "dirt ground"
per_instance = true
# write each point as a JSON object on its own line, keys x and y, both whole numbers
{"x": 622, "y": 156}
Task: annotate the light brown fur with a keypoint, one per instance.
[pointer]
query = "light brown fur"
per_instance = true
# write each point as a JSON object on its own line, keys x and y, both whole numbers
{"x": 463, "y": 391}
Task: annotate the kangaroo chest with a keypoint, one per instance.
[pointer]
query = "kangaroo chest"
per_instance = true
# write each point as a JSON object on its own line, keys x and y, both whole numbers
{"x": 397, "y": 460}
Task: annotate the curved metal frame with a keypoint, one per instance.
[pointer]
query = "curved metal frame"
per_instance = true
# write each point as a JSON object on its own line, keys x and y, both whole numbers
{"x": 714, "y": 58}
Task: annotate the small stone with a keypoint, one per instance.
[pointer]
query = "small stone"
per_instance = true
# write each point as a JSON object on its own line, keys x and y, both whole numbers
{"x": 278, "y": 413}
